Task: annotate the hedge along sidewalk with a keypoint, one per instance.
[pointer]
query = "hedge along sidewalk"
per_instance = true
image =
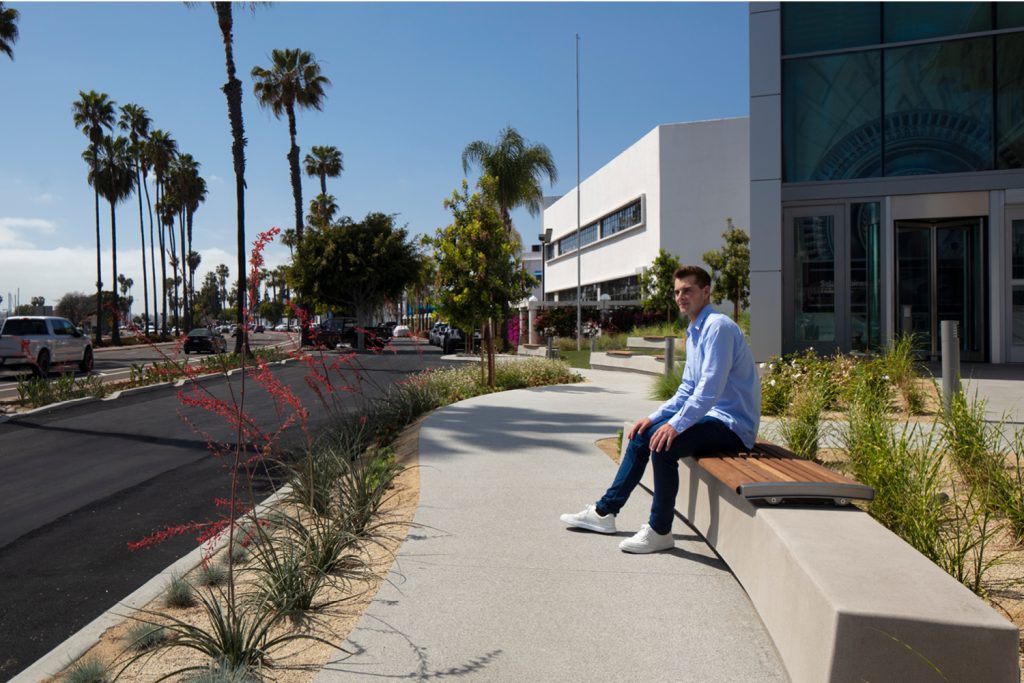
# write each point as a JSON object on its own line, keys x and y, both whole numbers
{"x": 492, "y": 585}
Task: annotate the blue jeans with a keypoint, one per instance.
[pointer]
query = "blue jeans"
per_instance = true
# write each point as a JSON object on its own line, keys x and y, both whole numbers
{"x": 710, "y": 435}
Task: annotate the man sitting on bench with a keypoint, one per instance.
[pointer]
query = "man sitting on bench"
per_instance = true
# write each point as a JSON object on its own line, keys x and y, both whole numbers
{"x": 716, "y": 408}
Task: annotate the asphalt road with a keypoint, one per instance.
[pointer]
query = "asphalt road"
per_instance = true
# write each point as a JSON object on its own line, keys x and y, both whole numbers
{"x": 80, "y": 483}
{"x": 114, "y": 363}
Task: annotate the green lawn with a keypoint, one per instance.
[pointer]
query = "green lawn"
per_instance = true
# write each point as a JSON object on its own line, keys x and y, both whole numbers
{"x": 577, "y": 359}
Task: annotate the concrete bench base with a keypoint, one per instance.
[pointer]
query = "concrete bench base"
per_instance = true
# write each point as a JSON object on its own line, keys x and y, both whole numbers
{"x": 845, "y": 599}
{"x": 637, "y": 363}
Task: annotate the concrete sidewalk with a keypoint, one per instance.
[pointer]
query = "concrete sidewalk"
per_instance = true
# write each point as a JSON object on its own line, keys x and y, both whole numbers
{"x": 492, "y": 587}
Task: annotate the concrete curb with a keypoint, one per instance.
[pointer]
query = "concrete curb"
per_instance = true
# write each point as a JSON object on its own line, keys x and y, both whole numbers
{"x": 53, "y": 662}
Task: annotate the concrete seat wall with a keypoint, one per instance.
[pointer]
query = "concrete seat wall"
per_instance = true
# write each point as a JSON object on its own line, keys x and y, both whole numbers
{"x": 843, "y": 598}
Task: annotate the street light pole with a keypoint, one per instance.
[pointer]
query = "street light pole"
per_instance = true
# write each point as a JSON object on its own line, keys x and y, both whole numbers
{"x": 579, "y": 249}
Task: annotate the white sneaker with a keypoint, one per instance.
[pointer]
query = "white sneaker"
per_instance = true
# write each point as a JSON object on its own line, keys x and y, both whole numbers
{"x": 647, "y": 540}
{"x": 591, "y": 521}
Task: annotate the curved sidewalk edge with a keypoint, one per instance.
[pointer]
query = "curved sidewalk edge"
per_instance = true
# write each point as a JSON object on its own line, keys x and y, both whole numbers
{"x": 493, "y": 587}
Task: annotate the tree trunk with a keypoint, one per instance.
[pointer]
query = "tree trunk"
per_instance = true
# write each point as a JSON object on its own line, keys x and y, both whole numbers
{"x": 142, "y": 240}
{"x": 152, "y": 253}
{"x": 185, "y": 313}
{"x": 163, "y": 259}
{"x": 99, "y": 274}
{"x": 293, "y": 163}
{"x": 115, "y": 331}
{"x": 233, "y": 92}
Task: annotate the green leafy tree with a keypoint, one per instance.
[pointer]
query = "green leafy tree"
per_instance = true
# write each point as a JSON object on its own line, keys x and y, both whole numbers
{"x": 479, "y": 273}
{"x": 93, "y": 112}
{"x": 208, "y": 300}
{"x": 323, "y": 162}
{"x": 355, "y": 266}
{"x": 8, "y": 30}
{"x": 136, "y": 122}
{"x": 657, "y": 284}
{"x": 292, "y": 81}
{"x": 517, "y": 168}
{"x": 113, "y": 175}
{"x": 75, "y": 306}
{"x": 730, "y": 269}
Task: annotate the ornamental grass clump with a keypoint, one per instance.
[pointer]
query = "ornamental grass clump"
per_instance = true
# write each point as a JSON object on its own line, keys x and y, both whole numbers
{"x": 220, "y": 672}
{"x": 35, "y": 392}
{"x": 211, "y": 575}
{"x": 179, "y": 593}
{"x": 901, "y": 365}
{"x": 143, "y": 637}
{"x": 802, "y": 428}
{"x": 666, "y": 386}
{"x": 89, "y": 670}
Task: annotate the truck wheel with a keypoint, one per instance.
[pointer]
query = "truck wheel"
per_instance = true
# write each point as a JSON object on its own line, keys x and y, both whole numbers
{"x": 42, "y": 367}
{"x": 86, "y": 364}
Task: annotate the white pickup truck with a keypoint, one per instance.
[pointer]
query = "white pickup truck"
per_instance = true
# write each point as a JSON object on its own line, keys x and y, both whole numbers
{"x": 42, "y": 342}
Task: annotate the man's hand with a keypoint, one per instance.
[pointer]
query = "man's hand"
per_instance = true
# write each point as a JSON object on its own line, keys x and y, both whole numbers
{"x": 640, "y": 426}
{"x": 662, "y": 439}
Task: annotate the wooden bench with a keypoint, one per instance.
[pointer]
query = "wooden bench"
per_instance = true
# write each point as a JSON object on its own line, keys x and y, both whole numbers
{"x": 776, "y": 475}
{"x": 842, "y": 597}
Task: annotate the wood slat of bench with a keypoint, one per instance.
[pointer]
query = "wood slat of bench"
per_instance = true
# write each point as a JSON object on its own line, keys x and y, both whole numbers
{"x": 774, "y": 473}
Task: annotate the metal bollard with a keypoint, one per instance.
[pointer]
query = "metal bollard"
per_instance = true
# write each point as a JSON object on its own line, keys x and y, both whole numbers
{"x": 551, "y": 348}
{"x": 670, "y": 355}
{"x": 907, "y": 325}
{"x": 950, "y": 337}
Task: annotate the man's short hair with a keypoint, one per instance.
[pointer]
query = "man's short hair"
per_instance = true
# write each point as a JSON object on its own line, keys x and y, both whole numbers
{"x": 700, "y": 276}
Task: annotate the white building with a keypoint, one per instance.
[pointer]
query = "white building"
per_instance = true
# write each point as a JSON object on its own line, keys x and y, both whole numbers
{"x": 673, "y": 189}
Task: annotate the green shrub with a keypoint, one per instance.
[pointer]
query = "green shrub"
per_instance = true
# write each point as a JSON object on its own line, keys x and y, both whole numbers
{"x": 221, "y": 672}
{"x": 802, "y": 427}
{"x": 35, "y": 392}
{"x": 211, "y": 575}
{"x": 665, "y": 386}
{"x": 179, "y": 593}
{"x": 87, "y": 671}
{"x": 144, "y": 636}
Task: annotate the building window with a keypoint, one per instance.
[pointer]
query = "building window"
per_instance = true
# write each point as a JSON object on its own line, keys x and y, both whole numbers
{"x": 919, "y": 20}
{"x": 938, "y": 108}
{"x": 1010, "y": 100}
{"x": 624, "y": 218}
{"x": 622, "y": 289}
{"x": 1009, "y": 14}
{"x": 567, "y": 244}
{"x": 821, "y": 26}
{"x": 588, "y": 234}
{"x": 549, "y": 251}
{"x": 831, "y": 124}
{"x": 865, "y": 277}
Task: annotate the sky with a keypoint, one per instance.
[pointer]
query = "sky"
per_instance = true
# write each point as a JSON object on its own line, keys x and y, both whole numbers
{"x": 411, "y": 85}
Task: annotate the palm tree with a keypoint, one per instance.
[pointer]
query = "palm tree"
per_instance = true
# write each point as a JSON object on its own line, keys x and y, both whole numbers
{"x": 324, "y": 162}
{"x": 126, "y": 286}
{"x": 188, "y": 190}
{"x": 518, "y": 166}
{"x": 114, "y": 177}
{"x": 321, "y": 210}
{"x": 161, "y": 149}
{"x": 92, "y": 113}
{"x": 8, "y": 30}
{"x": 222, "y": 283}
{"x": 293, "y": 80}
{"x": 135, "y": 121}
{"x": 233, "y": 91}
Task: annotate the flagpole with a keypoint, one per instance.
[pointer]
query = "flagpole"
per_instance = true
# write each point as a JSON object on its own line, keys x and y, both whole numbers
{"x": 579, "y": 245}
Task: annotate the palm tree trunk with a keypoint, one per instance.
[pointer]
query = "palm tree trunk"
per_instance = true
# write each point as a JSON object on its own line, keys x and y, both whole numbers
{"x": 293, "y": 164}
{"x": 185, "y": 313}
{"x": 142, "y": 239}
{"x": 233, "y": 93}
{"x": 323, "y": 183}
{"x": 152, "y": 254}
{"x": 99, "y": 274}
{"x": 163, "y": 261}
{"x": 115, "y": 332}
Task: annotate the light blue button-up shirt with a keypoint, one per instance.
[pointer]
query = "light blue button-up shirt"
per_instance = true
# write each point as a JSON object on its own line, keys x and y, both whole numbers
{"x": 719, "y": 379}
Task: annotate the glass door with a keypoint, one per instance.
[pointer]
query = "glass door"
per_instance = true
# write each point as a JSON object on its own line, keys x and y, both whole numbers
{"x": 940, "y": 275}
{"x": 814, "y": 266}
{"x": 1017, "y": 290}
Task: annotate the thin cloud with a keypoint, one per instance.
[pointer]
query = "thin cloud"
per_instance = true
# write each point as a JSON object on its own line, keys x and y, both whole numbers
{"x": 16, "y": 233}
{"x": 44, "y": 198}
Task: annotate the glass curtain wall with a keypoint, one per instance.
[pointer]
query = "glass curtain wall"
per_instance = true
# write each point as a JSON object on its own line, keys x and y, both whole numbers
{"x": 866, "y": 110}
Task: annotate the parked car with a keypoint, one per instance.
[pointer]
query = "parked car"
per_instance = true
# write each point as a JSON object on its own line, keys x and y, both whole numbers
{"x": 454, "y": 340}
{"x": 436, "y": 333}
{"x": 335, "y": 331}
{"x": 42, "y": 341}
{"x": 202, "y": 339}
{"x": 400, "y": 331}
